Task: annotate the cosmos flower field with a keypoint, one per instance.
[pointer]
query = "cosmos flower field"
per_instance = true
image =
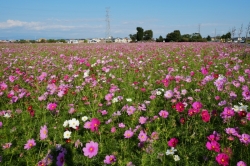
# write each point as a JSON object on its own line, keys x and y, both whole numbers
{"x": 137, "y": 104}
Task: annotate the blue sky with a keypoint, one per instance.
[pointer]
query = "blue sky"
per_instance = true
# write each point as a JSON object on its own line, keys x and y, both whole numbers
{"x": 74, "y": 19}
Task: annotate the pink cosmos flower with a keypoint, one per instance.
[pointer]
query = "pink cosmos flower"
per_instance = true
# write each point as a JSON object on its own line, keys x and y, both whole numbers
{"x": 165, "y": 82}
{"x": 113, "y": 130}
{"x": 7, "y": 145}
{"x": 197, "y": 105}
{"x": 142, "y": 136}
{"x": 192, "y": 73}
{"x": 109, "y": 97}
{"x": 168, "y": 94}
{"x": 3, "y": 86}
{"x": 172, "y": 142}
{"x": 109, "y": 159}
{"x": 245, "y": 138}
{"x": 248, "y": 116}
{"x": 94, "y": 124}
{"x": 163, "y": 113}
{"x": 51, "y": 106}
{"x": 128, "y": 134}
{"x": 131, "y": 110}
{"x": 241, "y": 163}
{"x": 87, "y": 125}
{"x": 43, "y": 132}
{"x": 11, "y": 78}
{"x": 222, "y": 159}
{"x": 30, "y": 144}
{"x": 204, "y": 71}
{"x": 154, "y": 135}
{"x": 121, "y": 125}
{"x": 213, "y": 145}
{"x": 142, "y": 120}
{"x": 91, "y": 149}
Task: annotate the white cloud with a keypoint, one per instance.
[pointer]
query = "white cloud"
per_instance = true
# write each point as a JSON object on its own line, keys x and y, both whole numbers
{"x": 33, "y": 25}
{"x": 16, "y": 23}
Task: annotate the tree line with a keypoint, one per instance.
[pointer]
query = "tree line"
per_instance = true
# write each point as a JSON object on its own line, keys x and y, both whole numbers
{"x": 174, "y": 36}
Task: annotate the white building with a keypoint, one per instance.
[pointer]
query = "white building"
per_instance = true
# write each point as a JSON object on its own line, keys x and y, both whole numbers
{"x": 73, "y": 41}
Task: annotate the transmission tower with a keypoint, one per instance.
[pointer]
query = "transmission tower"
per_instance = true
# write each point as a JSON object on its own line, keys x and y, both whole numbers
{"x": 107, "y": 35}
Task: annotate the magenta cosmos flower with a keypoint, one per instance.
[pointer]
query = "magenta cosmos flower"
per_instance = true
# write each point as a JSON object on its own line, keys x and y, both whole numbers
{"x": 94, "y": 124}
{"x": 222, "y": 159}
{"x": 172, "y": 142}
{"x": 205, "y": 116}
{"x": 30, "y": 143}
{"x": 213, "y": 145}
{"x": 51, "y": 106}
{"x": 91, "y": 149}
{"x": 180, "y": 107}
{"x": 197, "y": 105}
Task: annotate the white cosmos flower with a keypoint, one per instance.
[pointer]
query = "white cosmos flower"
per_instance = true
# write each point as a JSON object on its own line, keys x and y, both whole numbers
{"x": 129, "y": 99}
{"x": 176, "y": 158}
{"x": 66, "y": 134}
{"x": 171, "y": 151}
{"x": 73, "y": 123}
{"x": 86, "y": 73}
{"x": 7, "y": 115}
{"x": 65, "y": 123}
{"x": 243, "y": 107}
{"x": 115, "y": 100}
{"x": 84, "y": 118}
{"x": 236, "y": 108}
{"x": 158, "y": 93}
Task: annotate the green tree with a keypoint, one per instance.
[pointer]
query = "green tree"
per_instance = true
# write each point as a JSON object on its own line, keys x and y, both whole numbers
{"x": 196, "y": 37}
{"x": 43, "y": 41}
{"x": 22, "y": 41}
{"x": 32, "y": 41}
{"x": 174, "y": 36}
{"x": 51, "y": 41}
{"x": 208, "y": 38}
{"x": 139, "y": 36}
{"x": 148, "y": 35}
{"x": 160, "y": 39}
{"x": 62, "y": 40}
{"x": 185, "y": 37}
{"x": 133, "y": 37}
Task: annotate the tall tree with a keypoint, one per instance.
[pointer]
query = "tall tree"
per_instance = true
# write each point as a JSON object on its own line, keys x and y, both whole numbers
{"x": 133, "y": 37}
{"x": 174, "y": 36}
{"x": 139, "y": 33}
{"x": 208, "y": 38}
{"x": 196, "y": 37}
{"x": 185, "y": 37}
{"x": 160, "y": 39}
{"x": 148, "y": 35}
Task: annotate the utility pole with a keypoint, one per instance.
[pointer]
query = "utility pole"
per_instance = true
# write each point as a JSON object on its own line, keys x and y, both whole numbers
{"x": 199, "y": 28}
{"x": 215, "y": 34}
